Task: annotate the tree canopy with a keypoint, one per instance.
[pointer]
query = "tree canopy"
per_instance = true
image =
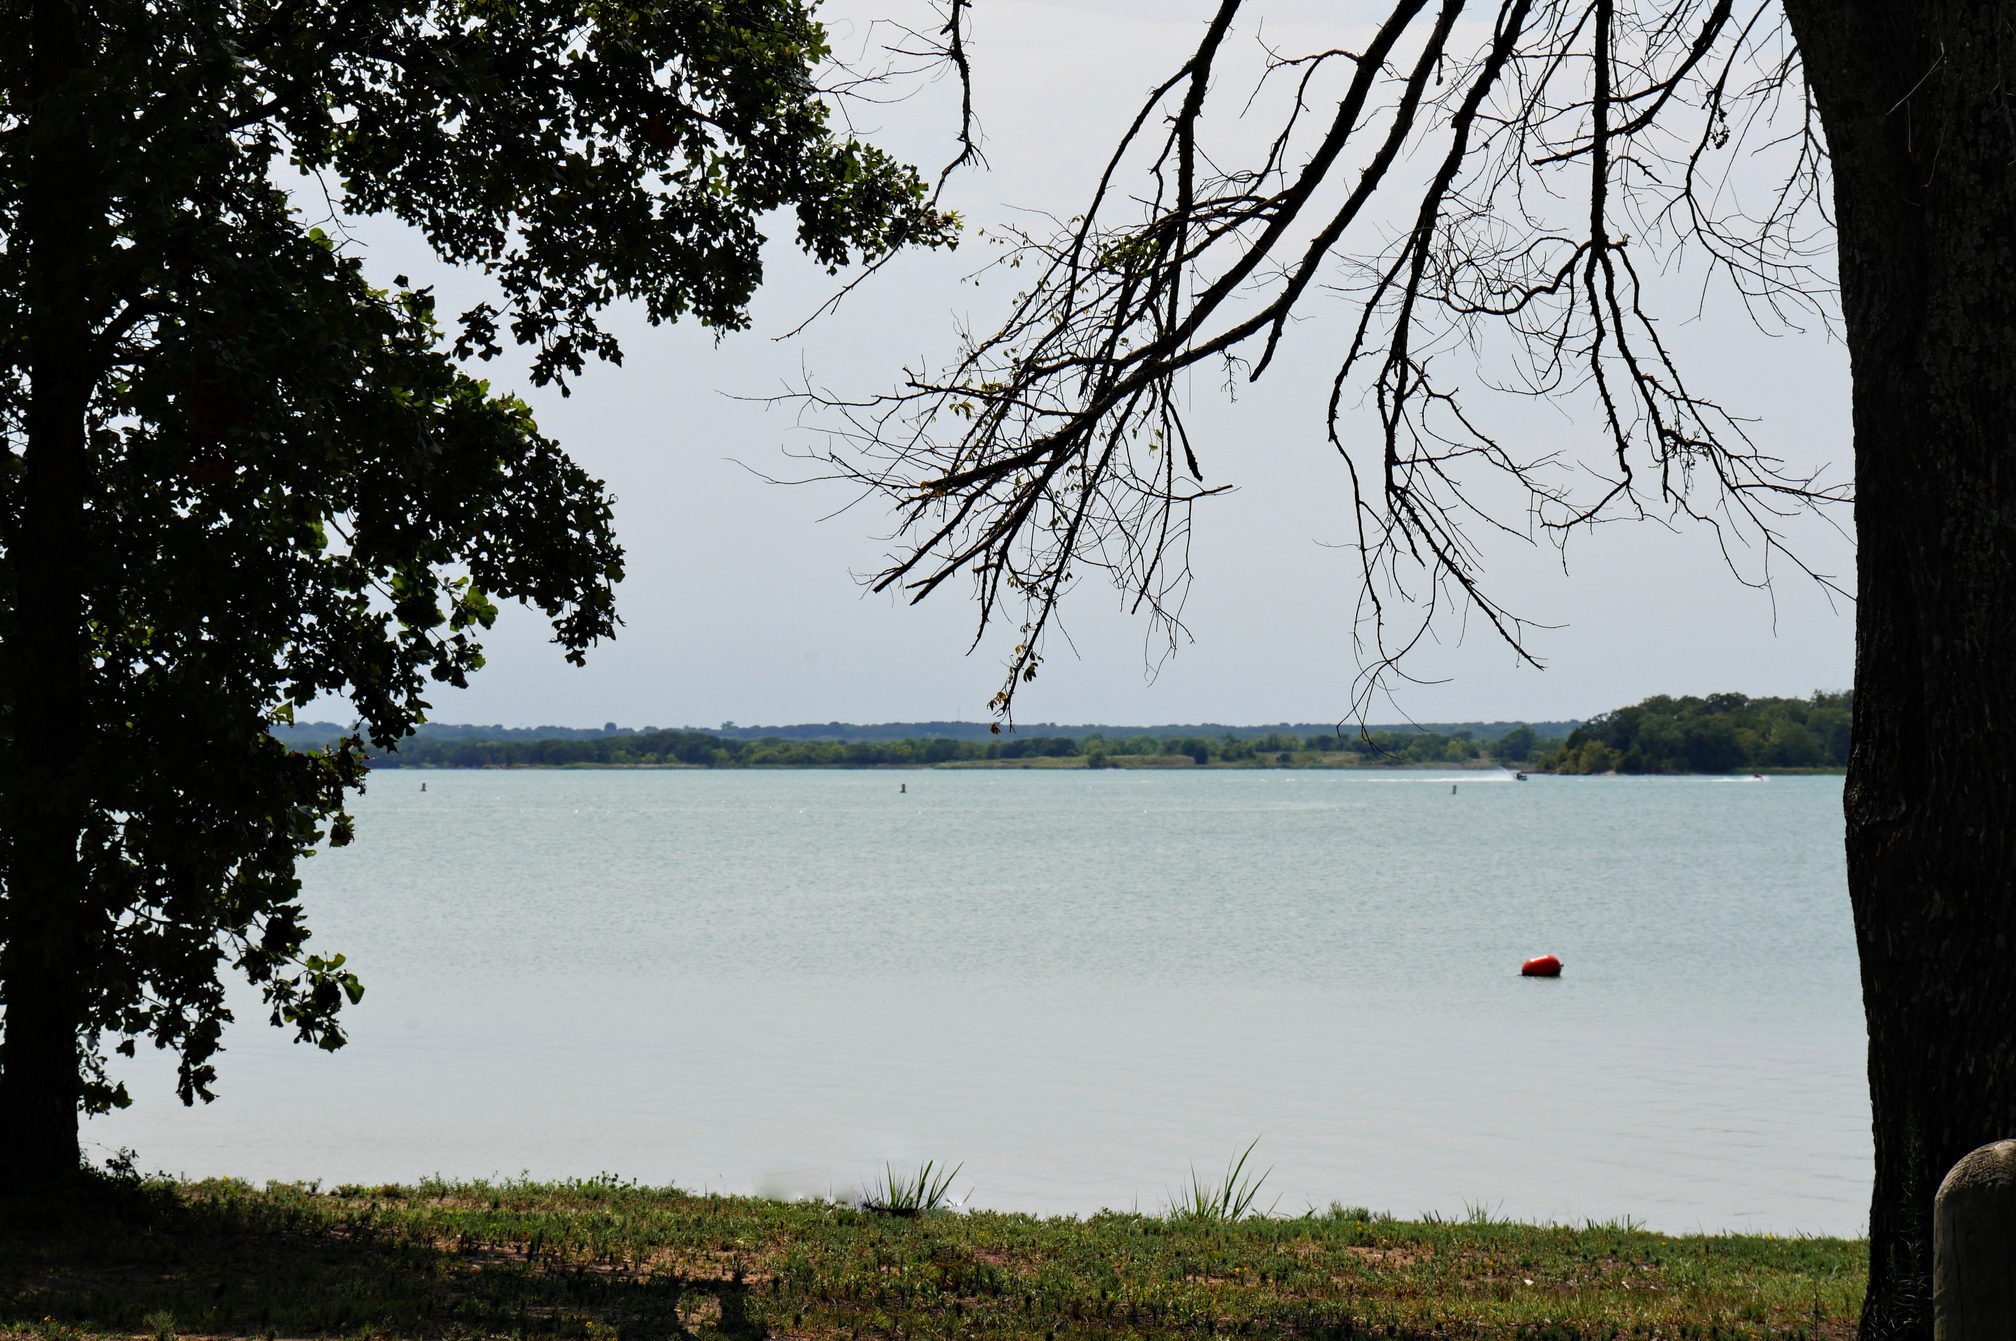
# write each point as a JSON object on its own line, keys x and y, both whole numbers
{"x": 244, "y": 473}
{"x": 1711, "y": 734}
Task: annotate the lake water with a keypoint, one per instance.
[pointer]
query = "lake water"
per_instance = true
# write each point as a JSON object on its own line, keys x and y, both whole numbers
{"x": 1079, "y": 984}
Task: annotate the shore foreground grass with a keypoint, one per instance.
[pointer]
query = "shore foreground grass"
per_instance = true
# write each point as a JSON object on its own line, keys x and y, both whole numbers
{"x": 600, "y": 1259}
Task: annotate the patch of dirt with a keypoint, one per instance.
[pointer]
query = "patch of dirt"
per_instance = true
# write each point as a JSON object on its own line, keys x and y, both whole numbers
{"x": 1397, "y": 1257}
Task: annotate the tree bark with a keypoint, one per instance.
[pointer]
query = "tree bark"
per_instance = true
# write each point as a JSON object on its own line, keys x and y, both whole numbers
{"x": 1917, "y": 105}
{"x": 45, "y": 963}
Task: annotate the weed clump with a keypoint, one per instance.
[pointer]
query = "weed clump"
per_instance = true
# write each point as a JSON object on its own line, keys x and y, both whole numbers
{"x": 1224, "y": 1202}
{"x": 928, "y": 1189}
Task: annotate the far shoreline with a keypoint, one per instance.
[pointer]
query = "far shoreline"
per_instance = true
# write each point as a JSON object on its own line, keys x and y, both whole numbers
{"x": 1079, "y": 764}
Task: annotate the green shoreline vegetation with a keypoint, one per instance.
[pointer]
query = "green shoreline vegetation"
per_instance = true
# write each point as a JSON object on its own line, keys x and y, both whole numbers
{"x": 697, "y": 749}
{"x": 599, "y": 1259}
{"x": 1718, "y": 733}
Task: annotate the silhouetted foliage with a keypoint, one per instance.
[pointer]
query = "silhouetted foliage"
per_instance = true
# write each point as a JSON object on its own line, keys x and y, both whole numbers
{"x": 240, "y": 474}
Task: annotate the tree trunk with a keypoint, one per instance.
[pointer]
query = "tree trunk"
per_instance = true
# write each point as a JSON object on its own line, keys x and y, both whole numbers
{"x": 45, "y": 963}
{"x": 1917, "y": 106}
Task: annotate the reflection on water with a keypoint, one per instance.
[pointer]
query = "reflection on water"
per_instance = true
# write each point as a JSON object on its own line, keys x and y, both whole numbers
{"x": 1080, "y": 984}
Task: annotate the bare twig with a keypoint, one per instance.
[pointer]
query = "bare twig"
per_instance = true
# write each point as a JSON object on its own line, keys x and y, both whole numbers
{"x": 1551, "y": 170}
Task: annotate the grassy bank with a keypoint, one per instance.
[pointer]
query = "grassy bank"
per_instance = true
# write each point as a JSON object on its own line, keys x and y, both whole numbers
{"x": 600, "y": 1260}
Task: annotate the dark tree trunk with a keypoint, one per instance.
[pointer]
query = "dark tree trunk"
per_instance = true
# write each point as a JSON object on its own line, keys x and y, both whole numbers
{"x": 1917, "y": 104}
{"x": 45, "y": 962}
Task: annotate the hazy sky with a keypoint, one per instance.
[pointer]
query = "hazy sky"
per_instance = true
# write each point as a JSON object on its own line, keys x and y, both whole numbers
{"x": 742, "y": 604}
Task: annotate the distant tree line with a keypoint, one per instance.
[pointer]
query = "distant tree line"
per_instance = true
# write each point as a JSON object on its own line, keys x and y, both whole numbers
{"x": 702, "y": 749}
{"x": 309, "y": 735}
{"x": 981, "y": 731}
{"x": 1719, "y": 733}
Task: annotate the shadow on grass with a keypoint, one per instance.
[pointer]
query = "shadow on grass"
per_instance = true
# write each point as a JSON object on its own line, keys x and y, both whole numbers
{"x": 142, "y": 1261}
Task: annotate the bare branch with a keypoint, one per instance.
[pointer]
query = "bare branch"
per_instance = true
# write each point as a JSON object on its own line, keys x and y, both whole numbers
{"x": 1552, "y": 175}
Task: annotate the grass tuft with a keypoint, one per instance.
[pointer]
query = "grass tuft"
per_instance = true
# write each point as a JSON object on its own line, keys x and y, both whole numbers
{"x": 928, "y": 1189}
{"x": 1227, "y": 1201}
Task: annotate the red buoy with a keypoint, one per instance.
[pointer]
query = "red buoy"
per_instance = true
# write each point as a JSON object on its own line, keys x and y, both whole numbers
{"x": 1541, "y": 966}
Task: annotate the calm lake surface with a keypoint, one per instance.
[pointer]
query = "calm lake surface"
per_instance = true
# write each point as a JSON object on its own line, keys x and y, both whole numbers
{"x": 1079, "y": 984}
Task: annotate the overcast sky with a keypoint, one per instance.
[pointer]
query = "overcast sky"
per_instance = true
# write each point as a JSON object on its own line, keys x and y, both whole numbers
{"x": 742, "y": 604}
